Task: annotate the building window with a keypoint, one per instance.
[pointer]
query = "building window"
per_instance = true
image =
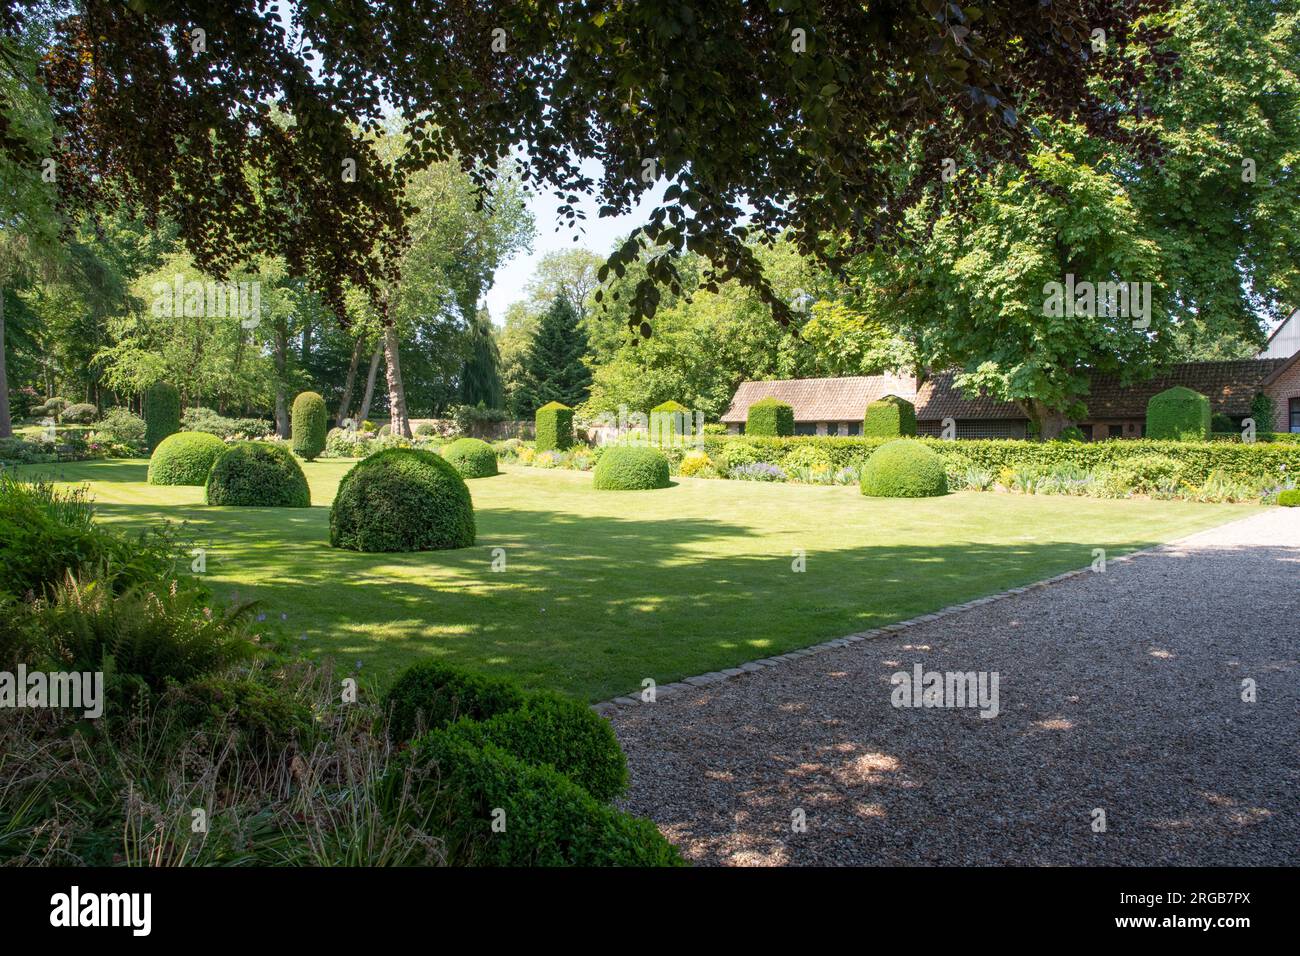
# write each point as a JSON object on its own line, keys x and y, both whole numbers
{"x": 1087, "y": 432}
{"x": 855, "y": 428}
{"x": 1115, "y": 431}
{"x": 1295, "y": 415}
{"x": 805, "y": 428}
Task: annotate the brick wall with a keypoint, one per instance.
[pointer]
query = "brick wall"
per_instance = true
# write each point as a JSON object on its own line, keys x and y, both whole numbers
{"x": 1285, "y": 388}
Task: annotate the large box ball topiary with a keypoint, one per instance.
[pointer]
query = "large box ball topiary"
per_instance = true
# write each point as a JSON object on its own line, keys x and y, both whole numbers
{"x": 1289, "y": 498}
{"x": 184, "y": 458}
{"x": 551, "y": 821}
{"x": 630, "y": 468}
{"x": 162, "y": 413}
{"x": 565, "y": 733}
{"x": 554, "y": 427}
{"x": 769, "y": 417}
{"x": 890, "y": 417}
{"x": 904, "y": 469}
{"x": 430, "y": 695}
{"x": 472, "y": 457}
{"x": 1178, "y": 414}
{"x": 309, "y": 424}
{"x": 255, "y": 474}
{"x": 402, "y": 499}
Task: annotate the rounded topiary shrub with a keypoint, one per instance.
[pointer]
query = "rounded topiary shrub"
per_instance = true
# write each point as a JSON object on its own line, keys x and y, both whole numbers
{"x": 80, "y": 414}
{"x": 1178, "y": 414}
{"x": 1289, "y": 498}
{"x": 631, "y": 468}
{"x": 255, "y": 474}
{"x": 184, "y": 458}
{"x": 431, "y": 695}
{"x": 890, "y": 417}
{"x": 904, "y": 469}
{"x": 453, "y": 786}
{"x": 554, "y": 425}
{"x": 472, "y": 457}
{"x": 562, "y": 732}
{"x": 402, "y": 499}
{"x": 162, "y": 413}
{"x": 309, "y": 424}
{"x": 769, "y": 417}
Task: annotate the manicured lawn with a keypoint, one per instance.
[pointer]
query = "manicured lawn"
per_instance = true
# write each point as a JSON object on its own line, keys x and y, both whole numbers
{"x": 604, "y": 589}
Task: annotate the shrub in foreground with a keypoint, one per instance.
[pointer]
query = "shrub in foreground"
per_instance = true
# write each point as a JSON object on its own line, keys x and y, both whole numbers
{"x": 402, "y": 499}
{"x": 904, "y": 469}
{"x": 630, "y": 468}
{"x": 554, "y": 423}
{"x": 1178, "y": 414}
{"x": 308, "y": 423}
{"x": 769, "y": 417}
{"x": 889, "y": 417}
{"x": 459, "y": 788}
{"x": 431, "y": 695}
{"x": 1289, "y": 498}
{"x": 258, "y": 475}
{"x": 47, "y": 534}
{"x": 184, "y": 458}
{"x": 472, "y": 457}
{"x": 162, "y": 413}
{"x": 559, "y": 731}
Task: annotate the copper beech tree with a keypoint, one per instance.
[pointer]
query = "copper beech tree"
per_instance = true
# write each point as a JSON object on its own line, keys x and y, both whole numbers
{"x": 761, "y": 117}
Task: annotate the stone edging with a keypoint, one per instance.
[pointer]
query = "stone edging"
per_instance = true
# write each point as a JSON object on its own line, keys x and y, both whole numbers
{"x": 607, "y": 707}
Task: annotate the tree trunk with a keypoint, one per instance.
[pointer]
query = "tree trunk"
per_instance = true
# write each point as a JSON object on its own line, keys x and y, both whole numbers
{"x": 370, "y": 382}
{"x": 6, "y": 422}
{"x": 1050, "y": 421}
{"x": 399, "y": 423}
{"x": 281, "y": 399}
{"x": 345, "y": 402}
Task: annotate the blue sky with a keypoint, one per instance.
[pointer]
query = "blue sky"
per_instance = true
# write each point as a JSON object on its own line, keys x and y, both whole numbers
{"x": 595, "y": 234}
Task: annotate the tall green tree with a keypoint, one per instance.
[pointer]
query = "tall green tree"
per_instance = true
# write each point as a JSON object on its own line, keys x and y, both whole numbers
{"x": 555, "y": 370}
{"x": 480, "y": 376}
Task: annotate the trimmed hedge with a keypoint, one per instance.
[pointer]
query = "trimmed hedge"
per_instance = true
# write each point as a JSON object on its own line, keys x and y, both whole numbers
{"x": 162, "y": 413}
{"x": 254, "y": 474}
{"x": 185, "y": 458}
{"x": 890, "y": 417}
{"x": 1178, "y": 414}
{"x": 904, "y": 468}
{"x": 432, "y": 695}
{"x": 1262, "y": 461}
{"x": 472, "y": 457}
{"x": 309, "y": 423}
{"x": 459, "y": 789}
{"x": 769, "y": 417}
{"x": 561, "y": 732}
{"x": 630, "y": 468}
{"x": 402, "y": 499}
{"x": 1289, "y": 498}
{"x": 554, "y": 427}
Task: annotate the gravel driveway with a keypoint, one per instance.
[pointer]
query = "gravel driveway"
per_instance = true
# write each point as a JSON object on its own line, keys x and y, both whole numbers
{"x": 1119, "y": 691}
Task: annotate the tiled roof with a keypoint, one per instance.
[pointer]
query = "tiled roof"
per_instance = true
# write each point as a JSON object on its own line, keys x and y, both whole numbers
{"x": 820, "y": 399}
{"x": 939, "y": 398}
{"x": 1230, "y": 386}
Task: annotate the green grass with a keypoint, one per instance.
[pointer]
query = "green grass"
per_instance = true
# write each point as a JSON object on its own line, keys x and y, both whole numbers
{"x": 604, "y": 589}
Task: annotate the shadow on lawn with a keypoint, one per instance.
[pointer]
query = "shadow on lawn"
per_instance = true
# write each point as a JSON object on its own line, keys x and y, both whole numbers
{"x": 591, "y": 604}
